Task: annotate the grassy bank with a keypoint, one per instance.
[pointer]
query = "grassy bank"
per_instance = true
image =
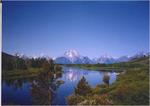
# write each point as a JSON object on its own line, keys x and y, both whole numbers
{"x": 30, "y": 72}
{"x": 118, "y": 67}
{"x": 130, "y": 88}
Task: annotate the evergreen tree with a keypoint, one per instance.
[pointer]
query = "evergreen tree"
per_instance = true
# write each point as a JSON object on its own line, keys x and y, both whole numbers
{"x": 83, "y": 87}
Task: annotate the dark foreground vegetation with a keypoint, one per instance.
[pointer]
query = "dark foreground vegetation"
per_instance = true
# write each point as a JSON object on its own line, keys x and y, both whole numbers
{"x": 131, "y": 87}
{"x": 19, "y": 67}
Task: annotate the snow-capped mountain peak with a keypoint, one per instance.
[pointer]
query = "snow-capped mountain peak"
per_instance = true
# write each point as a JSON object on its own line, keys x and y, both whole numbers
{"x": 73, "y": 57}
{"x": 71, "y": 53}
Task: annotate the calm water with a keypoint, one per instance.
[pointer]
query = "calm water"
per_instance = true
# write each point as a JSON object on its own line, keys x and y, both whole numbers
{"x": 50, "y": 91}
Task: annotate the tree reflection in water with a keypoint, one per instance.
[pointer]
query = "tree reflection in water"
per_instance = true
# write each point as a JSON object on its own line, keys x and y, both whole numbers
{"x": 43, "y": 88}
{"x": 17, "y": 83}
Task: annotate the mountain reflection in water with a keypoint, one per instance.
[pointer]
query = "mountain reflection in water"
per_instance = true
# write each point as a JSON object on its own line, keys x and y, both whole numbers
{"x": 47, "y": 88}
{"x": 73, "y": 75}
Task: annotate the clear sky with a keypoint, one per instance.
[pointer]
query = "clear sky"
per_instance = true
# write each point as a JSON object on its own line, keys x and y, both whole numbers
{"x": 91, "y": 28}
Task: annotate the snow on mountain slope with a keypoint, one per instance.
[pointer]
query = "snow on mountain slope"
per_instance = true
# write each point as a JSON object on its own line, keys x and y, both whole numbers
{"x": 73, "y": 57}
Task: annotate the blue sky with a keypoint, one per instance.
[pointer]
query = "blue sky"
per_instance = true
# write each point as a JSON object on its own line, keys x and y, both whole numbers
{"x": 91, "y": 28}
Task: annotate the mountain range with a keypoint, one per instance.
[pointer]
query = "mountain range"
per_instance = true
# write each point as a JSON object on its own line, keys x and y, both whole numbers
{"x": 73, "y": 57}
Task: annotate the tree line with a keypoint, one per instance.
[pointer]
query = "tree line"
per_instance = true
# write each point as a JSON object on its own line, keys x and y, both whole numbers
{"x": 10, "y": 62}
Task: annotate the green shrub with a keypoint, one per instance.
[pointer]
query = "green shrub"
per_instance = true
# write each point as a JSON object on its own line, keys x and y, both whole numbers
{"x": 131, "y": 88}
{"x": 74, "y": 99}
{"x": 57, "y": 67}
{"x": 82, "y": 87}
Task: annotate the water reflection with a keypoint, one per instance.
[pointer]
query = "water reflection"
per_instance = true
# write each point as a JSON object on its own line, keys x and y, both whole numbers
{"x": 50, "y": 87}
{"x": 71, "y": 75}
{"x": 43, "y": 88}
{"x": 17, "y": 83}
{"x": 74, "y": 74}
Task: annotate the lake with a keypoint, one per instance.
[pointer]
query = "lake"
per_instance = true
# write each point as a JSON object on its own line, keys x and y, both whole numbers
{"x": 43, "y": 90}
